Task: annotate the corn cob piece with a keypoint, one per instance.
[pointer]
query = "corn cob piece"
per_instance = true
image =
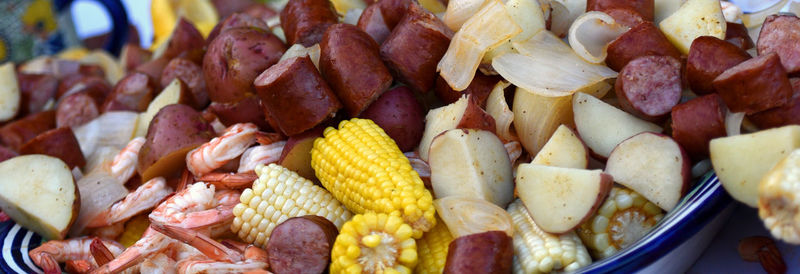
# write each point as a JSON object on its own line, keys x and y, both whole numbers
{"x": 624, "y": 218}
{"x": 364, "y": 169}
{"x": 134, "y": 229}
{"x": 536, "y": 251}
{"x": 279, "y": 194}
{"x": 374, "y": 243}
{"x": 778, "y": 199}
{"x": 432, "y": 249}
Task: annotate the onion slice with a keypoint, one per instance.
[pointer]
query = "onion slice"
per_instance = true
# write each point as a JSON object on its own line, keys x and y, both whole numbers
{"x": 487, "y": 29}
{"x": 113, "y": 128}
{"x": 564, "y": 13}
{"x": 497, "y": 107}
{"x": 548, "y": 67}
{"x": 459, "y": 11}
{"x": 528, "y": 16}
{"x": 464, "y": 216}
{"x": 590, "y": 34}
{"x": 757, "y": 18}
{"x": 98, "y": 191}
{"x": 733, "y": 122}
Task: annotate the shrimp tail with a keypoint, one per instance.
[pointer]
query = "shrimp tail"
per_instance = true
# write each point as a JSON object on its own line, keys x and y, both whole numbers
{"x": 209, "y": 247}
{"x": 100, "y": 252}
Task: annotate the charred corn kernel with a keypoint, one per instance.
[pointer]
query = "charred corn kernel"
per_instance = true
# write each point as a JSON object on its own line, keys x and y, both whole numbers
{"x": 779, "y": 199}
{"x": 364, "y": 169}
{"x": 622, "y": 219}
{"x": 134, "y": 229}
{"x": 279, "y": 194}
{"x": 536, "y": 251}
{"x": 374, "y": 243}
{"x": 432, "y": 249}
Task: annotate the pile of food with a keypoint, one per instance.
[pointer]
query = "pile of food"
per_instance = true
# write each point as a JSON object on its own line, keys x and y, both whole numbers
{"x": 399, "y": 136}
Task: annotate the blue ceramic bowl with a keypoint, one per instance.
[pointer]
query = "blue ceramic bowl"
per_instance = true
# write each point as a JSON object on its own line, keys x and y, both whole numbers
{"x": 679, "y": 239}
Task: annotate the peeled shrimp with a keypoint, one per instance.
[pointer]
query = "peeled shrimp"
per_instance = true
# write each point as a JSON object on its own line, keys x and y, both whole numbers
{"x": 143, "y": 198}
{"x": 197, "y": 206}
{"x": 124, "y": 164}
{"x": 230, "y": 180}
{"x": 222, "y": 149}
{"x": 48, "y": 255}
{"x": 264, "y": 154}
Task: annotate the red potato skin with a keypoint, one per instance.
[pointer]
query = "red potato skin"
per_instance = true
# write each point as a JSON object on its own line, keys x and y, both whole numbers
{"x": 235, "y": 58}
{"x": 708, "y": 58}
{"x": 7, "y": 153}
{"x": 260, "y": 11}
{"x": 649, "y": 86}
{"x": 226, "y": 8}
{"x": 780, "y": 34}
{"x": 296, "y": 154}
{"x": 305, "y": 21}
{"x": 480, "y": 88}
{"x": 67, "y": 84}
{"x": 476, "y": 118}
{"x": 153, "y": 68}
{"x": 738, "y": 35}
{"x": 248, "y": 110}
{"x": 413, "y": 49}
{"x": 192, "y": 75}
{"x": 372, "y": 22}
{"x": 644, "y": 7}
{"x": 487, "y": 252}
{"x": 133, "y": 56}
{"x": 18, "y": 132}
{"x": 788, "y": 114}
{"x": 36, "y": 90}
{"x": 132, "y": 93}
{"x": 77, "y": 109}
{"x": 236, "y": 20}
{"x": 295, "y": 80}
{"x": 696, "y": 122}
{"x": 184, "y": 37}
{"x": 400, "y": 115}
{"x": 641, "y": 40}
{"x": 60, "y": 143}
{"x": 754, "y": 85}
{"x": 301, "y": 245}
{"x": 350, "y": 62}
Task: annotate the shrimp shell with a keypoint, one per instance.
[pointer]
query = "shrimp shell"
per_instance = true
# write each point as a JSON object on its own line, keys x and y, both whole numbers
{"x": 222, "y": 149}
{"x": 263, "y": 154}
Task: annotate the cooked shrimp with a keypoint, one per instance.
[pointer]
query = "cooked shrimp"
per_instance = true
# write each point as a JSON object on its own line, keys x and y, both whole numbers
{"x": 196, "y": 206}
{"x": 78, "y": 266}
{"x": 48, "y": 255}
{"x": 263, "y": 154}
{"x": 111, "y": 231}
{"x": 159, "y": 263}
{"x": 124, "y": 164}
{"x": 220, "y": 150}
{"x": 143, "y": 198}
{"x": 230, "y": 180}
{"x": 151, "y": 243}
{"x": 220, "y": 258}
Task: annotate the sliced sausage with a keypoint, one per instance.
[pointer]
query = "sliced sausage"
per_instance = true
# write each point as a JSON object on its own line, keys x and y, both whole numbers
{"x": 132, "y": 93}
{"x": 351, "y": 63}
{"x": 414, "y": 48}
{"x": 649, "y": 86}
{"x": 235, "y": 59}
{"x": 236, "y": 20}
{"x": 76, "y": 82}
{"x": 696, "y": 122}
{"x": 641, "y": 40}
{"x": 60, "y": 143}
{"x": 625, "y": 16}
{"x": 479, "y": 89}
{"x": 6, "y": 153}
{"x": 487, "y": 252}
{"x": 153, "y": 68}
{"x": 260, "y": 11}
{"x": 754, "y": 85}
{"x": 708, "y": 58}
{"x": 394, "y": 10}
{"x": 36, "y": 90}
{"x": 644, "y": 7}
{"x": 371, "y": 21}
{"x": 779, "y": 34}
{"x": 788, "y": 114}
{"x": 301, "y": 245}
{"x": 18, "y": 132}
{"x": 192, "y": 75}
{"x": 133, "y": 56}
{"x": 295, "y": 80}
{"x": 738, "y": 35}
{"x": 305, "y": 21}
{"x": 248, "y": 110}
{"x": 77, "y": 109}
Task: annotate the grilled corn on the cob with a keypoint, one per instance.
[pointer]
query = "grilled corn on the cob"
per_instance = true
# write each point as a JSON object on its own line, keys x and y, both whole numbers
{"x": 778, "y": 199}
{"x": 364, "y": 169}
{"x": 432, "y": 249}
{"x": 623, "y": 218}
{"x": 374, "y": 243}
{"x": 536, "y": 251}
{"x": 279, "y": 194}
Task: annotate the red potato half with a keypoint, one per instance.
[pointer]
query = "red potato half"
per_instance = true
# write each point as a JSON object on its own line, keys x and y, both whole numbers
{"x": 563, "y": 149}
{"x": 60, "y": 143}
{"x": 192, "y": 75}
{"x": 296, "y": 154}
{"x": 77, "y": 109}
{"x": 175, "y": 130}
{"x": 560, "y": 199}
{"x": 400, "y": 115}
{"x": 653, "y": 165}
{"x": 236, "y": 20}
{"x": 235, "y": 58}
{"x": 184, "y": 37}
{"x": 487, "y": 252}
{"x": 19, "y": 132}
{"x": 464, "y": 113}
{"x": 132, "y": 56}
{"x": 248, "y": 110}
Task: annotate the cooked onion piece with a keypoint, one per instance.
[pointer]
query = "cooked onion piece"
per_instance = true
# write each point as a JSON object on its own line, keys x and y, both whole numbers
{"x": 466, "y": 215}
{"x": 528, "y": 16}
{"x": 556, "y": 69}
{"x": 459, "y": 11}
{"x": 590, "y": 34}
{"x": 490, "y": 26}
{"x": 733, "y": 122}
{"x": 564, "y": 13}
{"x": 755, "y": 19}
{"x": 497, "y": 107}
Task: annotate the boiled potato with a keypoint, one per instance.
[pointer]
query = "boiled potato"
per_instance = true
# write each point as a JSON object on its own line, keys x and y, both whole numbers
{"x": 693, "y": 19}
